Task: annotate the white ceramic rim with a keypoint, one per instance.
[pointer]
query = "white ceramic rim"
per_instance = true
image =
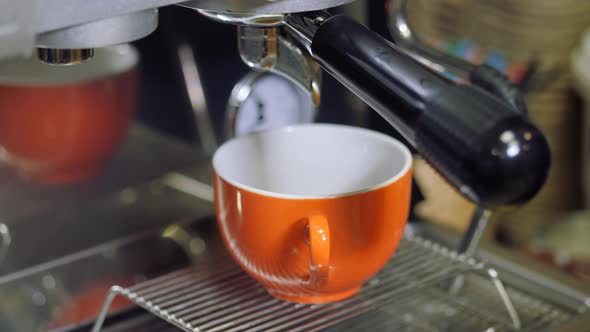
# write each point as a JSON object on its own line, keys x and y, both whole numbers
{"x": 108, "y": 62}
{"x": 371, "y": 133}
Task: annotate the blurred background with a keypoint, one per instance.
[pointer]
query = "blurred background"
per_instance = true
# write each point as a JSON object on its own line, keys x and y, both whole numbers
{"x": 543, "y": 46}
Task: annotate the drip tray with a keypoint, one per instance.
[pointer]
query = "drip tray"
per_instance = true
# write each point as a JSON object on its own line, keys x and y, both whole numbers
{"x": 416, "y": 291}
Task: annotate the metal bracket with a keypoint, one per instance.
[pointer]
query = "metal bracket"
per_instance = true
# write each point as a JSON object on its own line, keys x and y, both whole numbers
{"x": 271, "y": 49}
{"x": 5, "y": 240}
{"x": 468, "y": 247}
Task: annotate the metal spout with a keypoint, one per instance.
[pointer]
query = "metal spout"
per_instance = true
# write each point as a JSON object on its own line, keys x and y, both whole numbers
{"x": 64, "y": 57}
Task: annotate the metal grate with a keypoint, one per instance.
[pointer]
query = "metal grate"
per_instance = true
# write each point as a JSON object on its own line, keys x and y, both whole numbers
{"x": 411, "y": 294}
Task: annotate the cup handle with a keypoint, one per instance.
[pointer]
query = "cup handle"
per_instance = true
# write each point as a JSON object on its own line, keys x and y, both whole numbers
{"x": 319, "y": 250}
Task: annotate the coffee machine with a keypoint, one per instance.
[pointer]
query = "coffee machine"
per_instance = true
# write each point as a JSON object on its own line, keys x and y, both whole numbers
{"x": 473, "y": 131}
{"x": 477, "y": 137}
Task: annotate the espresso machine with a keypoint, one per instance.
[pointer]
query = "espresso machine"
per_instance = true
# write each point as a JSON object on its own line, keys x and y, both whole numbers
{"x": 478, "y": 138}
{"x": 472, "y": 129}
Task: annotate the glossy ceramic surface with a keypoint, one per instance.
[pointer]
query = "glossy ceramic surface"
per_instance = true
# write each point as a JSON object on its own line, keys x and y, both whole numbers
{"x": 312, "y": 211}
{"x": 62, "y": 124}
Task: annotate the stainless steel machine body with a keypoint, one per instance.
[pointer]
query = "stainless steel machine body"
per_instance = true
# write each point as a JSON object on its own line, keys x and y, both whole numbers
{"x": 75, "y": 24}
{"x": 475, "y": 137}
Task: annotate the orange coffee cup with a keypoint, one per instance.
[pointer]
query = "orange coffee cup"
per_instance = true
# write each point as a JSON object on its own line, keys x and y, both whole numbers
{"x": 312, "y": 211}
{"x": 62, "y": 124}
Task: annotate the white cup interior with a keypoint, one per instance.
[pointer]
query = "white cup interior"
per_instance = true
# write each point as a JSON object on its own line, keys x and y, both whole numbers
{"x": 312, "y": 161}
{"x": 107, "y": 62}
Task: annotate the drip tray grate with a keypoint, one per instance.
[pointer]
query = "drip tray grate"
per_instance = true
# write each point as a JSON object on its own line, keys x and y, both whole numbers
{"x": 412, "y": 293}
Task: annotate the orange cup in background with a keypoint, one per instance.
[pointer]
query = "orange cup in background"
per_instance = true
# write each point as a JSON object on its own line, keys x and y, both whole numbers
{"x": 62, "y": 124}
{"x": 312, "y": 211}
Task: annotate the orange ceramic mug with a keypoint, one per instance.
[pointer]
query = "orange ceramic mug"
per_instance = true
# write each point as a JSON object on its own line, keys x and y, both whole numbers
{"x": 62, "y": 124}
{"x": 312, "y": 211}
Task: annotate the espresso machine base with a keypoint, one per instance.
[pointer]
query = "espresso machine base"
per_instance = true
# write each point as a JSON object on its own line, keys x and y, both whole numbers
{"x": 411, "y": 293}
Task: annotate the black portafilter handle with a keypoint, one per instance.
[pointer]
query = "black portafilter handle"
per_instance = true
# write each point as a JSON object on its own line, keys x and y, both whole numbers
{"x": 480, "y": 144}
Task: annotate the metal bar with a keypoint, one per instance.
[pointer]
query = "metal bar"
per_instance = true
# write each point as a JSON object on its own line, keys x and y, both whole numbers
{"x": 516, "y": 323}
{"x": 173, "y": 295}
{"x": 217, "y": 302}
{"x": 258, "y": 303}
{"x": 188, "y": 307}
{"x": 477, "y": 227}
{"x": 164, "y": 292}
{"x": 196, "y": 95}
{"x": 113, "y": 292}
{"x": 191, "y": 273}
{"x": 281, "y": 309}
{"x": 189, "y": 186}
{"x": 464, "y": 304}
{"x": 161, "y": 279}
{"x": 469, "y": 245}
{"x": 4, "y": 241}
{"x": 247, "y": 322}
